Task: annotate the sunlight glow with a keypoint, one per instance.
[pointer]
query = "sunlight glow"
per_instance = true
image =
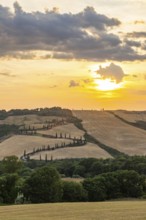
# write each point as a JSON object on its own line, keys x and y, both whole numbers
{"x": 106, "y": 84}
{"x": 103, "y": 83}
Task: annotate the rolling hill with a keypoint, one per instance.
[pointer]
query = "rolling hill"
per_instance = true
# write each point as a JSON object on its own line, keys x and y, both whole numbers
{"x": 86, "y": 134}
{"x": 47, "y": 137}
{"x": 113, "y": 132}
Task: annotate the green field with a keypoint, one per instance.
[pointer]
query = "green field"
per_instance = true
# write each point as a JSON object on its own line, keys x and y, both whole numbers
{"x": 119, "y": 210}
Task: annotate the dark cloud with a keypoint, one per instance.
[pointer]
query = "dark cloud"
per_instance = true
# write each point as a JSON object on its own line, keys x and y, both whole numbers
{"x": 141, "y": 34}
{"x": 90, "y": 18}
{"x": 62, "y": 56}
{"x": 112, "y": 71}
{"x": 119, "y": 53}
{"x": 85, "y": 35}
{"x": 73, "y": 83}
{"x": 21, "y": 55}
{"x": 144, "y": 45}
{"x": 133, "y": 43}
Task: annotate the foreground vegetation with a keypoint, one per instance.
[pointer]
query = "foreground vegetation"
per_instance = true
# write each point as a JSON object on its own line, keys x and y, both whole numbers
{"x": 123, "y": 210}
{"x": 41, "y": 182}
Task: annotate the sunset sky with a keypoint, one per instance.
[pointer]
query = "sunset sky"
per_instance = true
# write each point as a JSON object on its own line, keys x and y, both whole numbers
{"x": 87, "y": 54}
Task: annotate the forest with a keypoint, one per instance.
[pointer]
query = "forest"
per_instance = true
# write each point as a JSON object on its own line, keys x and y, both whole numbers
{"x": 98, "y": 180}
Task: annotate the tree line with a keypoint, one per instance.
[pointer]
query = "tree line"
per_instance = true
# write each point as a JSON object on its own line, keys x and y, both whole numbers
{"x": 76, "y": 142}
{"x": 40, "y": 182}
{"x": 6, "y": 129}
{"x": 54, "y": 111}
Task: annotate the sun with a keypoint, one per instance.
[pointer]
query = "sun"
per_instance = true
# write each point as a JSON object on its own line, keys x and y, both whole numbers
{"x": 106, "y": 78}
{"x": 106, "y": 84}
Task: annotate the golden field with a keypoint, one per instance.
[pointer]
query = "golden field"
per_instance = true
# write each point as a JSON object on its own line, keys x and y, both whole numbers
{"x": 119, "y": 210}
{"x": 102, "y": 125}
{"x": 131, "y": 116}
{"x": 28, "y": 119}
{"x": 68, "y": 129}
{"x": 113, "y": 132}
{"x": 87, "y": 151}
{"x": 17, "y": 144}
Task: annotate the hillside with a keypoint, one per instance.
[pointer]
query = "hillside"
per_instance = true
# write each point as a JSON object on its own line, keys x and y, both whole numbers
{"x": 113, "y": 132}
{"x": 67, "y": 129}
{"x": 88, "y": 151}
{"x": 99, "y": 134}
{"x": 131, "y": 116}
{"x": 46, "y": 137}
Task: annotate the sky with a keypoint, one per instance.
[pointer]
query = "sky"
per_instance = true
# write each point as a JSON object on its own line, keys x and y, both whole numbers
{"x": 87, "y": 54}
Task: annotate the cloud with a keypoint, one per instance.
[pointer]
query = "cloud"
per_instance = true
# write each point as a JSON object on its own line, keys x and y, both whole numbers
{"x": 62, "y": 55}
{"x": 80, "y": 83}
{"x": 139, "y": 22}
{"x": 133, "y": 43}
{"x": 22, "y": 55}
{"x": 84, "y": 35}
{"x": 112, "y": 71}
{"x": 87, "y": 81}
{"x": 73, "y": 83}
{"x": 144, "y": 45}
{"x": 7, "y": 74}
{"x": 135, "y": 76}
{"x": 141, "y": 34}
{"x": 139, "y": 92}
{"x": 52, "y": 87}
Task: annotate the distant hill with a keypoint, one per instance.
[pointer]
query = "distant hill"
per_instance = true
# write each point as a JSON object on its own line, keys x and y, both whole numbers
{"x": 45, "y": 134}
{"x": 115, "y": 129}
{"x": 56, "y": 133}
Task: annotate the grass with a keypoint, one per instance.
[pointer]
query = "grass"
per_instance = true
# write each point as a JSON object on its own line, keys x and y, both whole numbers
{"x": 121, "y": 210}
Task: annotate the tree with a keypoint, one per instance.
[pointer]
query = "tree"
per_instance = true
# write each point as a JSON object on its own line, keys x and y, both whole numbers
{"x": 43, "y": 186}
{"x": 73, "y": 192}
{"x": 97, "y": 167}
{"x": 87, "y": 163}
{"x": 131, "y": 183}
{"x": 96, "y": 188}
{"x": 8, "y": 129}
{"x": 8, "y": 188}
{"x": 11, "y": 164}
{"x": 79, "y": 170}
{"x": 123, "y": 183}
{"x": 112, "y": 185}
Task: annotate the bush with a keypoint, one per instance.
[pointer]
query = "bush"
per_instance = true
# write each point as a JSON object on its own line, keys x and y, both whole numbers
{"x": 73, "y": 192}
{"x": 44, "y": 185}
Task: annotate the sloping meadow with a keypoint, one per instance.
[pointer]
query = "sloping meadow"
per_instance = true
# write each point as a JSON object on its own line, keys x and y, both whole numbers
{"x": 39, "y": 141}
{"x": 113, "y": 132}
